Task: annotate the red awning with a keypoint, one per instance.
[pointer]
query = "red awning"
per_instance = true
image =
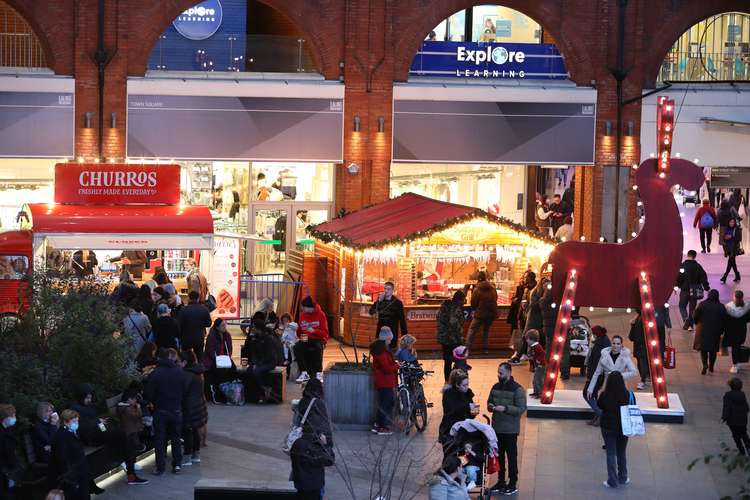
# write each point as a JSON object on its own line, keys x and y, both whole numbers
{"x": 401, "y": 217}
{"x": 122, "y": 226}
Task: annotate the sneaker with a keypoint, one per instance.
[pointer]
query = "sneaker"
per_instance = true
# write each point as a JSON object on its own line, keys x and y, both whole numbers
{"x": 304, "y": 377}
{"x": 384, "y": 431}
{"x": 133, "y": 479}
{"x": 641, "y": 386}
{"x": 734, "y": 369}
{"x": 627, "y": 481}
{"x": 471, "y": 486}
{"x": 319, "y": 376}
{"x": 511, "y": 489}
{"x": 374, "y": 429}
{"x": 186, "y": 462}
{"x": 176, "y": 469}
{"x": 195, "y": 458}
{"x": 498, "y": 487}
{"x": 137, "y": 467}
{"x": 690, "y": 328}
{"x": 607, "y": 485}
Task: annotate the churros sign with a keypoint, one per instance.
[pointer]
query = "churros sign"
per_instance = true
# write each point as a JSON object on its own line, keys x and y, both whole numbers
{"x": 117, "y": 184}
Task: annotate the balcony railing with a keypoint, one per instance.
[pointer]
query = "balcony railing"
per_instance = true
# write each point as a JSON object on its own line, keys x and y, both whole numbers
{"x": 706, "y": 67}
{"x": 21, "y": 50}
{"x": 233, "y": 53}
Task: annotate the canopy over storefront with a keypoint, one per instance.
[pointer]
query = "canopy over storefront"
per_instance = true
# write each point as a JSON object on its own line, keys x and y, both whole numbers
{"x": 122, "y": 226}
{"x": 414, "y": 218}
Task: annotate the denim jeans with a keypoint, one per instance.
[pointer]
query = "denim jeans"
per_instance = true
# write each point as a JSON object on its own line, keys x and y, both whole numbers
{"x": 385, "y": 407}
{"x": 167, "y": 426}
{"x": 617, "y": 464}
{"x": 471, "y": 473}
{"x": 591, "y": 400}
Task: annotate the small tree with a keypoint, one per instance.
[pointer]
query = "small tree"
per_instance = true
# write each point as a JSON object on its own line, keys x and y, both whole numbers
{"x": 69, "y": 335}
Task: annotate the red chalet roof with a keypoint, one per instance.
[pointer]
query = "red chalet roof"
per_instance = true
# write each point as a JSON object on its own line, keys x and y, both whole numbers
{"x": 407, "y": 217}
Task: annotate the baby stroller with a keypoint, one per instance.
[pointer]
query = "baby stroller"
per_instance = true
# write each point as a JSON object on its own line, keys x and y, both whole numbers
{"x": 579, "y": 335}
{"x": 481, "y": 450}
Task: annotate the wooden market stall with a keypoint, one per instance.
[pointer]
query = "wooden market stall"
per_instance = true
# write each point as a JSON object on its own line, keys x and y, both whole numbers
{"x": 429, "y": 249}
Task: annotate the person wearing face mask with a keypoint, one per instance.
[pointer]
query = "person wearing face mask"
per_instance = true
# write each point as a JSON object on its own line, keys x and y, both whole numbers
{"x": 10, "y": 466}
{"x": 458, "y": 405}
{"x": 507, "y": 402}
{"x": 613, "y": 358}
{"x": 68, "y": 465}
{"x": 43, "y": 430}
{"x": 448, "y": 482}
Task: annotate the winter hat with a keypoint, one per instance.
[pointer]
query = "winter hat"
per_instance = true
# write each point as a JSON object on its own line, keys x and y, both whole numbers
{"x": 308, "y": 302}
{"x": 170, "y": 289}
{"x": 460, "y": 353}
{"x": 599, "y": 331}
{"x": 162, "y": 309}
{"x": 385, "y": 334}
{"x": 292, "y": 327}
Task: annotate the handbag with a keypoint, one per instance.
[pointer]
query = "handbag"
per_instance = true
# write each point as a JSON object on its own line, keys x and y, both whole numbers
{"x": 631, "y": 419}
{"x": 296, "y": 431}
{"x": 493, "y": 464}
{"x": 696, "y": 292}
{"x": 743, "y": 354}
{"x": 224, "y": 361}
{"x": 234, "y": 392}
{"x": 670, "y": 354}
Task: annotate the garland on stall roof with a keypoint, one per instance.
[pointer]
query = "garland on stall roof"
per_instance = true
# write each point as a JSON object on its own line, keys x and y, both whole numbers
{"x": 327, "y": 237}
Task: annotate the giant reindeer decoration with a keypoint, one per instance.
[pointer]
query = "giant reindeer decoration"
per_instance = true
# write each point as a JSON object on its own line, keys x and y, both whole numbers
{"x": 639, "y": 273}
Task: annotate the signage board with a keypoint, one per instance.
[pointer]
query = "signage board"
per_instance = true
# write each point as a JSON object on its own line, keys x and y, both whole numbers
{"x": 116, "y": 184}
{"x": 730, "y": 177}
{"x": 527, "y": 61}
{"x": 29, "y": 116}
{"x": 200, "y": 21}
{"x": 235, "y": 128}
{"x": 225, "y": 279}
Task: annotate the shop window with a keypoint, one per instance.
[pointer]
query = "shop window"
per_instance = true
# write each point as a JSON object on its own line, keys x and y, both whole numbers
{"x": 452, "y": 29}
{"x": 282, "y": 181}
{"x": 498, "y": 189}
{"x": 717, "y": 48}
{"x": 24, "y": 181}
{"x": 13, "y": 267}
{"x": 493, "y": 23}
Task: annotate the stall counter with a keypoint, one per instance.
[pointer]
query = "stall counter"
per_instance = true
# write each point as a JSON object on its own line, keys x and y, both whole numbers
{"x": 421, "y": 321}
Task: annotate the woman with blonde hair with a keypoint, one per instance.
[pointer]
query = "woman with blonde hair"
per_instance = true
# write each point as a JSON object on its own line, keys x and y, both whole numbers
{"x": 406, "y": 352}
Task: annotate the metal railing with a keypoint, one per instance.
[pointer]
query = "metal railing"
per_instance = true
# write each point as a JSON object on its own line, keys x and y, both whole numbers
{"x": 285, "y": 294}
{"x": 233, "y": 53}
{"x": 21, "y": 50}
{"x": 689, "y": 66}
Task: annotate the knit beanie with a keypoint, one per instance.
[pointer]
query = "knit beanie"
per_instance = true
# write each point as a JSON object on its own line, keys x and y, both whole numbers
{"x": 385, "y": 334}
{"x": 308, "y": 302}
{"x": 459, "y": 353}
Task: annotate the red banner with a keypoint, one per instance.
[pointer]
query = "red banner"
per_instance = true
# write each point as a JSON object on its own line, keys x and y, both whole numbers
{"x": 117, "y": 184}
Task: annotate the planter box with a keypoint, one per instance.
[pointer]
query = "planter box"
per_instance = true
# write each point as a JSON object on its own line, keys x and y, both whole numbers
{"x": 350, "y": 397}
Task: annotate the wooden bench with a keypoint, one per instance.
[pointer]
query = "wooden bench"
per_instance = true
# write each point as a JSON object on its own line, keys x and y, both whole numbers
{"x": 221, "y": 489}
{"x": 275, "y": 379}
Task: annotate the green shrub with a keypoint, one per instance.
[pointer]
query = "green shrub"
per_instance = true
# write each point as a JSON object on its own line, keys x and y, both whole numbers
{"x": 69, "y": 335}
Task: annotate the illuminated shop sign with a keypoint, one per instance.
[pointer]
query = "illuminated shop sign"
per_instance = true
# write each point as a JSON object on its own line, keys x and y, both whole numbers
{"x": 488, "y": 60}
{"x": 200, "y": 21}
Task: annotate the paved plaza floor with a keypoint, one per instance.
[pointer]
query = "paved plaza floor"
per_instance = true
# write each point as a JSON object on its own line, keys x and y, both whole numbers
{"x": 560, "y": 459}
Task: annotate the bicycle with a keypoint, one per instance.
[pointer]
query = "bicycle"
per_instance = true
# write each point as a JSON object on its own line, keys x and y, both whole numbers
{"x": 412, "y": 403}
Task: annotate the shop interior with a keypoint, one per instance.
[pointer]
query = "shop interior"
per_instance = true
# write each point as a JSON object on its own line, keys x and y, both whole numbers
{"x": 24, "y": 181}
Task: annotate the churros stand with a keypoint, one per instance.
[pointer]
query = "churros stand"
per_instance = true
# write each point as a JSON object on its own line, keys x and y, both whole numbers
{"x": 429, "y": 249}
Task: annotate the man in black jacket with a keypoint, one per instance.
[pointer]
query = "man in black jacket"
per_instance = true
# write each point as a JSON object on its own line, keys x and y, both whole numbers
{"x": 165, "y": 389}
{"x": 390, "y": 312}
{"x": 193, "y": 321}
{"x": 691, "y": 281}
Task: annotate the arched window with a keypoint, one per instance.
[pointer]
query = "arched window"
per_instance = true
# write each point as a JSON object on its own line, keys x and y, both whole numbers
{"x": 19, "y": 46}
{"x": 717, "y": 48}
{"x": 489, "y": 23}
{"x": 232, "y": 35}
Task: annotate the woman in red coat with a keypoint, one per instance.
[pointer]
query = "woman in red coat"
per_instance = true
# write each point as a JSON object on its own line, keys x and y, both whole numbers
{"x": 385, "y": 376}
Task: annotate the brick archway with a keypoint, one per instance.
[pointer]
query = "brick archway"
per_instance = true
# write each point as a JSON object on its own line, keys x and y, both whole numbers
{"x": 311, "y": 16}
{"x": 667, "y": 26}
{"x": 50, "y": 21}
{"x": 414, "y": 19}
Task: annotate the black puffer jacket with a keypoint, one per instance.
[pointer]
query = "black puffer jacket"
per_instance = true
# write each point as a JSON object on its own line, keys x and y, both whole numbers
{"x": 735, "y": 409}
{"x": 194, "y": 319}
{"x": 68, "y": 464}
{"x": 455, "y": 409}
{"x": 166, "y": 332}
{"x": 737, "y": 319}
{"x": 194, "y": 410}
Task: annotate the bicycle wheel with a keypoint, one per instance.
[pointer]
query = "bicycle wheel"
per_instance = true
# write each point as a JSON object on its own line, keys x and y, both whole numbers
{"x": 404, "y": 408}
{"x": 420, "y": 409}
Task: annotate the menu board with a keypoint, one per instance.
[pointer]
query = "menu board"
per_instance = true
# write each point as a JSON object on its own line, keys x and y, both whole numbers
{"x": 225, "y": 283}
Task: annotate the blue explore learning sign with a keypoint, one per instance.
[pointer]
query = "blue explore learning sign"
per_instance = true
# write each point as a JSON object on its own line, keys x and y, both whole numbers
{"x": 489, "y": 60}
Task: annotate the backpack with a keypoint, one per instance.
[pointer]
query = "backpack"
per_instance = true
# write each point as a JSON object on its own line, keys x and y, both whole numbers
{"x": 707, "y": 220}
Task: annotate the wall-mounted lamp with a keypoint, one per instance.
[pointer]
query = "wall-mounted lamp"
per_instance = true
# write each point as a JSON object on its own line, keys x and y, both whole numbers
{"x": 87, "y": 119}
{"x": 608, "y": 128}
{"x": 631, "y": 129}
{"x": 353, "y": 168}
{"x": 113, "y": 120}
{"x": 357, "y": 123}
{"x": 381, "y": 124}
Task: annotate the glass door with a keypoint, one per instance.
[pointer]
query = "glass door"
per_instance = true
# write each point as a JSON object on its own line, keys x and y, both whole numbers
{"x": 270, "y": 226}
{"x": 305, "y": 215}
